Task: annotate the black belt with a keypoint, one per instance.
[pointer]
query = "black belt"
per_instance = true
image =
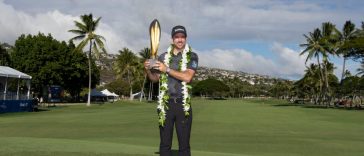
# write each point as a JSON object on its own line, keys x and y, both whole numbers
{"x": 176, "y": 99}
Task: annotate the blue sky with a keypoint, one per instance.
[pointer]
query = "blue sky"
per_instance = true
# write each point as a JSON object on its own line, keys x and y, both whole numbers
{"x": 261, "y": 36}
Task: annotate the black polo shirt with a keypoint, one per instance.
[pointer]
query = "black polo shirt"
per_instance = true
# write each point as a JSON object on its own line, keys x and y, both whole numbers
{"x": 175, "y": 85}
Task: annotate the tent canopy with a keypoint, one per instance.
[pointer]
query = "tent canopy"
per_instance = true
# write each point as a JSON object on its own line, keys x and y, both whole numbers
{"x": 10, "y": 72}
{"x": 94, "y": 92}
{"x": 116, "y": 95}
{"x": 108, "y": 93}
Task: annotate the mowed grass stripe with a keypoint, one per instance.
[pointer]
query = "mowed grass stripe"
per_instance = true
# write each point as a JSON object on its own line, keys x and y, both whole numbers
{"x": 226, "y": 127}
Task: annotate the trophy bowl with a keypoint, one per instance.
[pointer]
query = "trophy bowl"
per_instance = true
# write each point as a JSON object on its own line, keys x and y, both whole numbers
{"x": 155, "y": 35}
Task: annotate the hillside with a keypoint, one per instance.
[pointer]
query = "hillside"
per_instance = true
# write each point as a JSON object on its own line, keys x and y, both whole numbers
{"x": 108, "y": 75}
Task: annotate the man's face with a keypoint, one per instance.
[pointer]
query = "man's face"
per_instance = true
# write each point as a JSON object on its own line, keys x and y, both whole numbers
{"x": 179, "y": 40}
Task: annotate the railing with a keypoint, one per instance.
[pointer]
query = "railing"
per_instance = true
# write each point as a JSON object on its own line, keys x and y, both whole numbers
{"x": 13, "y": 96}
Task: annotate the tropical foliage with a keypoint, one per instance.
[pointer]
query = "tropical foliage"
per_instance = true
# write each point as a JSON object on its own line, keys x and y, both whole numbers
{"x": 319, "y": 83}
{"x": 51, "y": 62}
{"x": 129, "y": 68}
{"x": 4, "y": 57}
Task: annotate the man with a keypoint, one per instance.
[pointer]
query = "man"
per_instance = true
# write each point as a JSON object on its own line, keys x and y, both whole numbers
{"x": 176, "y": 69}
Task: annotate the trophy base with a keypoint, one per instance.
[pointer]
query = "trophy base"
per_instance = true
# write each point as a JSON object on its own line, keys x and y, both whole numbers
{"x": 152, "y": 62}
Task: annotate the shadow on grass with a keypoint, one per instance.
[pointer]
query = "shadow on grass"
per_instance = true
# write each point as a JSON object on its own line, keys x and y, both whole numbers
{"x": 285, "y": 105}
{"x": 301, "y": 105}
{"x": 41, "y": 110}
{"x": 315, "y": 106}
{"x": 174, "y": 152}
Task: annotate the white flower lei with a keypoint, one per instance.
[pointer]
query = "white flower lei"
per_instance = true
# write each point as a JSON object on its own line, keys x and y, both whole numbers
{"x": 163, "y": 96}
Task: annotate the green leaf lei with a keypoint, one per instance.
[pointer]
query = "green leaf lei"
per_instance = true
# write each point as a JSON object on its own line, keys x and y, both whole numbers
{"x": 163, "y": 88}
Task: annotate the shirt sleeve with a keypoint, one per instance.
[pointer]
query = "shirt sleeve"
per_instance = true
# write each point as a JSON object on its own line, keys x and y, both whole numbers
{"x": 161, "y": 57}
{"x": 193, "y": 64}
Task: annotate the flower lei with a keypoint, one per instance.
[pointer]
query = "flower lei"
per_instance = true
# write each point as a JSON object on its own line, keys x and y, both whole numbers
{"x": 163, "y": 96}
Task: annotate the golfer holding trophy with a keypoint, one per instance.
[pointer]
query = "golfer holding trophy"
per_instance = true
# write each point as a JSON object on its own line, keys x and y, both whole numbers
{"x": 174, "y": 69}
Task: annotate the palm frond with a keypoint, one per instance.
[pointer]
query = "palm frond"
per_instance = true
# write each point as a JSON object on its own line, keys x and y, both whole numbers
{"x": 81, "y": 45}
{"x": 81, "y": 26}
{"x": 96, "y": 51}
{"x": 145, "y": 53}
{"x": 80, "y": 37}
{"x": 100, "y": 37}
{"x": 96, "y": 23}
{"x": 78, "y": 32}
{"x": 101, "y": 45}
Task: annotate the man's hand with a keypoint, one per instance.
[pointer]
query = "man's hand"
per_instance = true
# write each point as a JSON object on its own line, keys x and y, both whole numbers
{"x": 146, "y": 64}
{"x": 153, "y": 76}
{"x": 160, "y": 66}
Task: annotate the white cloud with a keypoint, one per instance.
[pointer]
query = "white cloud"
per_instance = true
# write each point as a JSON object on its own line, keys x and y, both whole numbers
{"x": 290, "y": 61}
{"x": 287, "y": 65}
{"x": 125, "y": 24}
{"x": 282, "y": 21}
{"x": 13, "y": 23}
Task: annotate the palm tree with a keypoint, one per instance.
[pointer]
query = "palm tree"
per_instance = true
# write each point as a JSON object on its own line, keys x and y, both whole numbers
{"x": 313, "y": 76}
{"x": 145, "y": 54}
{"x": 127, "y": 66}
{"x": 330, "y": 38}
{"x": 323, "y": 43}
{"x": 347, "y": 34}
{"x": 85, "y": 31}
{"x": 314, "y": 47}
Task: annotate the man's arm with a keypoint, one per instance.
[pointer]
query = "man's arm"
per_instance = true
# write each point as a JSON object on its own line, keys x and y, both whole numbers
{"x": 154, "y": 77}
{"x": 185, "y": 76}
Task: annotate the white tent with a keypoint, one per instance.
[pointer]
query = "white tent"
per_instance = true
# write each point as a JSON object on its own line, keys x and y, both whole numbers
{"x": 137, "y": 95}
{"x": 97, "y": 93}
{"x": 111, "y": 96}
{"x": 5, "y": 74}
{"x": 106, "y": 92}
{"x": 10, "y": 72}
{"x": 98, "y": 96}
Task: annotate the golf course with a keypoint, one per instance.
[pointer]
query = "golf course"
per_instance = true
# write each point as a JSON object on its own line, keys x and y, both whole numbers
{"x": 234, "y": 127}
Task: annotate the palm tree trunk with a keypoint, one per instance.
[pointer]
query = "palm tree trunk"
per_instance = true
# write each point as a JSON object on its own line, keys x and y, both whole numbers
{"x": 343, "y": 72}
{"x": 89, "y": 75}
{"x": 131, "y": 94}
{"x": 150, "y": 91}
{"x": 142, "y": 93}
{"x": 131, "y": 86}
{"x": 321, "y": 80}
{"x": 327, "y": 88}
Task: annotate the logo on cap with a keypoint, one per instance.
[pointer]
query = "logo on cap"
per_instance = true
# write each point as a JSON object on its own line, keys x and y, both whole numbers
{"x": 178, "y": 29}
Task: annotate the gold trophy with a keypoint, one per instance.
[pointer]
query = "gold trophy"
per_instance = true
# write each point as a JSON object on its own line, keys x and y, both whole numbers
{"x": 155, "y": 35}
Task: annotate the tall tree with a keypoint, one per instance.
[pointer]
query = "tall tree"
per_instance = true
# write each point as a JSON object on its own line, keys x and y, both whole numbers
{"x": 346, "y": 35}
{"x": 330, "y": 38}
{"x": 211, "y": 87}
{"x": 85, "y": 31}
{"x": 75, "y": 66}
{"x": 322, "y": 43}
{"x": 126, "y": 66}
{"x": 51, "y": 62}
{"x": 314, "y": 47}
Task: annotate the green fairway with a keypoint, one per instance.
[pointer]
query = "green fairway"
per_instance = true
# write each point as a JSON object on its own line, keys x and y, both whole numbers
{"x": 220, "y": 128}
